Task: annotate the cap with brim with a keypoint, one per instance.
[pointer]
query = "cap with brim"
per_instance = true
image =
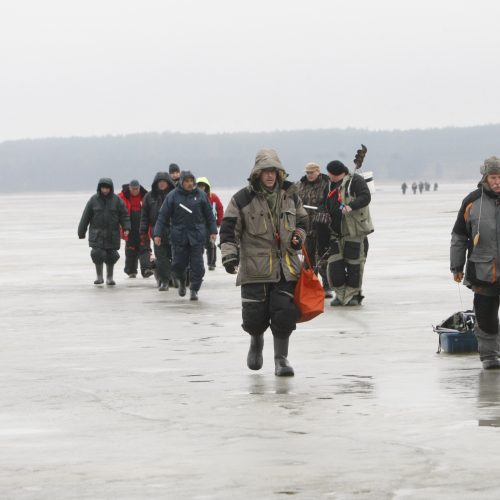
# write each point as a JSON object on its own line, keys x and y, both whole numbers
{"x": 312, "y": 167}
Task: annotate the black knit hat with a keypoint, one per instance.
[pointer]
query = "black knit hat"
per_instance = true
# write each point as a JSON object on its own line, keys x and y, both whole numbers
{"x": 186, "y": 174}
{"x": 336, "y": 167}
{"x": 173, "y": 167}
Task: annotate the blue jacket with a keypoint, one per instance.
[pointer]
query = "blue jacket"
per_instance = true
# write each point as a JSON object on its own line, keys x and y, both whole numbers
{"x": 186, "y": 226}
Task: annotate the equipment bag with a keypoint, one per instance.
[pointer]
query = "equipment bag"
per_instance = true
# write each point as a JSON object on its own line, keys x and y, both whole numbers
{"x": 461, "y": 322}
{"x": 309, "y": 295}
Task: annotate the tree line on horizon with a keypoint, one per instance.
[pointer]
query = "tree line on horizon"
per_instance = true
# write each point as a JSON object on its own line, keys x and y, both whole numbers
{"x": 76, "y": 163}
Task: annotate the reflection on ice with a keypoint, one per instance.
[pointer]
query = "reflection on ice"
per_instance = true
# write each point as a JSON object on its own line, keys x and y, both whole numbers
{"x": 489, "y": 399}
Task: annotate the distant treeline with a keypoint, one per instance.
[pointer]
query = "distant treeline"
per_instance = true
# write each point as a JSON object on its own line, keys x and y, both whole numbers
{"x": 226, "y": 159}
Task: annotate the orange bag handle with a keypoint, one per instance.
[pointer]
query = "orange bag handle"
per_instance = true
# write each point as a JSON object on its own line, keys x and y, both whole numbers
{"x": 306, "y": 256}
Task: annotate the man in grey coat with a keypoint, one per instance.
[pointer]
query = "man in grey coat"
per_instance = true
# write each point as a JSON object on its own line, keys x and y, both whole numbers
{"x": 105, "y": 212}
{"x": 261, "y": 234}
{"x": 474, "y": 257}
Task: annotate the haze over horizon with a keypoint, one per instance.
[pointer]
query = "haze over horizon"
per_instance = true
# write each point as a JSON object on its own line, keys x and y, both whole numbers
{"x": 90, "y": 69}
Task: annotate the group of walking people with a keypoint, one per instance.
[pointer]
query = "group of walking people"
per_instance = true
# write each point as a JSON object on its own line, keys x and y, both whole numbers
{"x": 180, "y": 215}
{"x": 263, "y": 231}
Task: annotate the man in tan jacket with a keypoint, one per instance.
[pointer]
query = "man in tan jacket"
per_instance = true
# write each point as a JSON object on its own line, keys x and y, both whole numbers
{"x": 262, "y": 231}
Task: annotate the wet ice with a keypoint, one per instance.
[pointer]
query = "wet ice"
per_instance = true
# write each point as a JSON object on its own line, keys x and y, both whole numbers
{"x": 129, "y": 393}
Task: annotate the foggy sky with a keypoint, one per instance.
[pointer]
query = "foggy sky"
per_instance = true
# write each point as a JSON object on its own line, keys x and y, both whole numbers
{"x": 120, "y": 66}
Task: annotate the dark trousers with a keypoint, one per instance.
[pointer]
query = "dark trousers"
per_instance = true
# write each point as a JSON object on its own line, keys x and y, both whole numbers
{"x": 163, "y": 255}
{"x": 486, "y": 309}
{"x": 269, "y": 304}
{"x": 211, "y": 252}
{"x": 104, "y": 256}
{"x": 189, "y": 256}
{"x": 134, "y": 256}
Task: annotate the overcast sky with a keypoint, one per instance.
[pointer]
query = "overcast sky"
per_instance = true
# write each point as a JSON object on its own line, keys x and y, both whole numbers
{"x": 94, "y": 67}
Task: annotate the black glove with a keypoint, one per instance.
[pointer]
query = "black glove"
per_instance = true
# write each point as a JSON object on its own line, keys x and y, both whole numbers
{"x": 81, "y": 236}
{"x": 230, "y": 263}
{"x": 296, "y": 242}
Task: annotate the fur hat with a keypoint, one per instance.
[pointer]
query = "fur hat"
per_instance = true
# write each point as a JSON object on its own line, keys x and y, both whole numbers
{"x": 491, "y": 166}
{"x": 336, "y": 167}
{"x": 312, "y": 167}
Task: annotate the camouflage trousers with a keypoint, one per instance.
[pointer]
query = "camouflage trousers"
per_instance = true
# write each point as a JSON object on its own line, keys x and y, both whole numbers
{"x": 345, "y": 266}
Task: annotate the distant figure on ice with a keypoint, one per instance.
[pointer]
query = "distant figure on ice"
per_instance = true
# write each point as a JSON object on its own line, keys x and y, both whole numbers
{"x": 137, "y": 249}
{"x": 189, "y": 215}
{"x": 435, "y": 186}
{"x": 427, "y": 185}
{"x": 347, "y": 201}
{"x": 218, "y": 210}
{"x": 161, "y": 186}
{"x": 404, "y": 187}
{"x": 420, "y": 187}
{"x": 311, "y": 190}
{"x": 414, "y": 187}
{"x": 262, "y": 231}
{"x": 474, "y": 242}
{"x": 175, "y": 172}
{"x": 105, "y": 213}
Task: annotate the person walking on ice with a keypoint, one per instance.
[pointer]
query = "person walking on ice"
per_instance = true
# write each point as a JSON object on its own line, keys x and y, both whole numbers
{"x": 262, "y": 232}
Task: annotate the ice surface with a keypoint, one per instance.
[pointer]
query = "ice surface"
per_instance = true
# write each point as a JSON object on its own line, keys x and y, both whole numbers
{"x": 130, "y": 393}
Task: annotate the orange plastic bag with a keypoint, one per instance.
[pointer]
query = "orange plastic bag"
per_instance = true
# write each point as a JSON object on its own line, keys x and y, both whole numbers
{"x": 309, "y": 295}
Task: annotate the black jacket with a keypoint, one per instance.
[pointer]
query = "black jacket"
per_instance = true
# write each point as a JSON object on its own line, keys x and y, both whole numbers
{"x": 105, "y": 215}
{"x": 153, "y": 202}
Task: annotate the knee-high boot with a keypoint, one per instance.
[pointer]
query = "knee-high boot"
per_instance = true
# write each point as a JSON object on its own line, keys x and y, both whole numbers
{"x": 254, "y": 358}
{"x": 109, "y": 275}
{"x": 99, "y": 279}
{"x": 488, "y": 346}
{"x": 281, "y": 364}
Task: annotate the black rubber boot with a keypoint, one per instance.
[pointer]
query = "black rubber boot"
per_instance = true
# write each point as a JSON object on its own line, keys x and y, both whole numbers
{"x": 109, "y": 275}
{"x": 254, "y": 358}
{"x": 193, "y": 295}
{"x": 182, "y": 288}
{"x": 281, "y": 364}
{"x": 99, "y": 280}
{"x": 163, "y": 286}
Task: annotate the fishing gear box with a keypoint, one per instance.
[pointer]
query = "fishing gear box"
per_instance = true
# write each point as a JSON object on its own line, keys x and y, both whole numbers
{"x": 456, "y": 334}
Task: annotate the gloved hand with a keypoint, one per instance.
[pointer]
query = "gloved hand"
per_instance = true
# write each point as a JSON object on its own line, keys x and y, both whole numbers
{"x": 81, "y": 236}
{"x": 230, "y": 263}
{"x": 297, "y": 241}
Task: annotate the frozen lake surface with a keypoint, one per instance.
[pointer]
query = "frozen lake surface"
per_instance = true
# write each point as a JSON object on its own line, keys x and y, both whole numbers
{"x": 130, "y": 393}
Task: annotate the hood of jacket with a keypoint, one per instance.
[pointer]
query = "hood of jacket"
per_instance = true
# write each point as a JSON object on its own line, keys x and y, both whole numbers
{"x": 266, "y": 158}
{"x": 161, "y": 176}
{"x": 126, "y": 191}
{"x": 106, "y": 181}
{"x": 204, "y": 180}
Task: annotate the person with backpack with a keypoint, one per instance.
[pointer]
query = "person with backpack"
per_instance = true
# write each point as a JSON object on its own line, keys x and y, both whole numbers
{"x": 347, "y": 200}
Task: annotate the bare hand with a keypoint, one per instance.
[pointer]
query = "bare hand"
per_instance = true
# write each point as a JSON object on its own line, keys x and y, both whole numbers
{"x": 157, "y": 241}
{"x": 126, "y": 233}
{"x": 458, "y": 277}
{"x": 213, "y": 237}
{"x": 346, "y": 209}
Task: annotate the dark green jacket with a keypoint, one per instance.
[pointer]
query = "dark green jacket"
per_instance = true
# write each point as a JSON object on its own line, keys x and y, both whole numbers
{"x": 104, "y": 215}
